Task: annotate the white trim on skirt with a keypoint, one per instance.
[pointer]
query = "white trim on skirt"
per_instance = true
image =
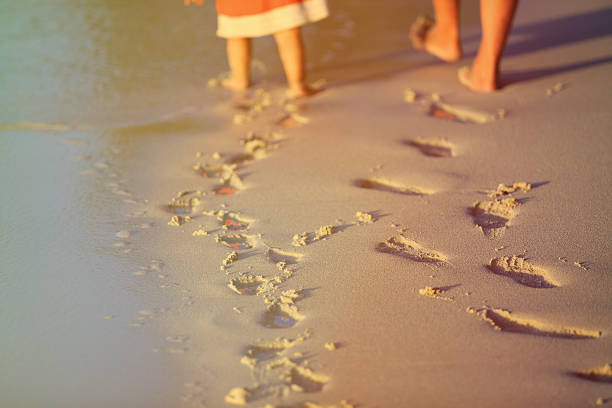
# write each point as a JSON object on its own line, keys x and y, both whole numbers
{"x": 278, "y": 19}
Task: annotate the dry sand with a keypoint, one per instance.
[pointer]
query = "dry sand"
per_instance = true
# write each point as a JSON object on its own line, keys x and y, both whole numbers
{"x": 325, "y": 252}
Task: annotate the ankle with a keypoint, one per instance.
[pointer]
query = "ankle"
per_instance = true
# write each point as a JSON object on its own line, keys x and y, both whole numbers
{"x": 234, "y": 84}
{"x": 485, "y": 66}
{"x": 241, "y": 84}
{"x": 302, "y": 90}
{"x": 483, "y": 78}
{"x": 297, "y": 91}
{"x": 445, "y": 33}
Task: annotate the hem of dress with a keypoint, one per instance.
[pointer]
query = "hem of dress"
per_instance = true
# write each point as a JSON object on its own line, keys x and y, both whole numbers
{"x": 282, "y": 18}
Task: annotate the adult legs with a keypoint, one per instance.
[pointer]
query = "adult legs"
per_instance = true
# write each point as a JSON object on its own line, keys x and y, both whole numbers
{"x": 496, "y": 19}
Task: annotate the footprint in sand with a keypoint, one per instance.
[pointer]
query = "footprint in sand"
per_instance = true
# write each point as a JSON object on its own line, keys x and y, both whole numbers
{"x": 247, "y": 285}
{"x": 257, "y": 354}
{"x": 263, "y": 351}
{"x": 237, "y": 241}
{"x": 503, "y": 320}
{"x": 364, "y": 217}
{"x": 230, "y": 184}
{"x": 307, "y": 238}
{"x": 255, "y": 147}
{"x": 183, "y": 206}
{"x": 122, "y": 193}
{"x": 493, "y": 217}
{"x": 251, "y": 105}
{"x": 276, "y": 255}
{"x": 382, "y": 184}
{"x": 281, "y": 315}
{"x": 292, "y": 120}
{"x": 503, "y": 190}
{"x": 230, "y": 181}
{"x": 177, "y": 339}
{"x": 461, "y": 114}
{"x": 231, "y": 221}
{"x": 402, "y": 246}
{"x": 433, "y": 147}
{"x": 234, "y": 222}
{"x": 211, "y": 171}
{"x": 230, "y": 259}
{"x": 155, "y": 266}
{"x": 517, "y": 268}
{"x": 178, "y": 220}
{"x": 124, "y": 234}
{"x": 600, "y": 374}
{"x": 437, "y": 292}
{"x": 296, "y": 378}
{"x": 239, "y": 396}
{"x": 303, "y": 379}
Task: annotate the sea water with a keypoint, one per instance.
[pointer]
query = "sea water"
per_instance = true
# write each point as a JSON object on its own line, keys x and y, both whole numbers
{"x": 71, "y": 72}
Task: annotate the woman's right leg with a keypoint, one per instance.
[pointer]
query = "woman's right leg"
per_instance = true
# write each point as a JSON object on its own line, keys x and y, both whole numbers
{"x": 239, "y": 59}
{"x": 496, "y": 19}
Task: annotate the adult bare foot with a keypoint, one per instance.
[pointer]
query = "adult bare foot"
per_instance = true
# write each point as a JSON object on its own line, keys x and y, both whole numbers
{"x": 303, "y": 91}
{"x": 476, "y": 81}
{"x": 426, "y": 36}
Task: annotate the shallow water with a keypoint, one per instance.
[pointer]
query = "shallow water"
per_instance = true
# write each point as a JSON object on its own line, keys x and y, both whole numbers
{"x": 60, "y": 277}
{"x": 71, "y": 60}
{"x": 72, "y": 73}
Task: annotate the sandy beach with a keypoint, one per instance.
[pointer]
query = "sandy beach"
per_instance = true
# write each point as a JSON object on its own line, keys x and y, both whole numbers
{"x": 394, "y": 241}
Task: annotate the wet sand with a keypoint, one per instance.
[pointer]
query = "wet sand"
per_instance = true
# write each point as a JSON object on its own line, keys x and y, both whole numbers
{"x": 394, "y": 241}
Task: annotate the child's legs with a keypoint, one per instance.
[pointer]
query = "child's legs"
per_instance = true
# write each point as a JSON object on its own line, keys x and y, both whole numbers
{"x": 496, "y": 20}
{"x": 239, "y": 58}
{"x": 291, "y": 50}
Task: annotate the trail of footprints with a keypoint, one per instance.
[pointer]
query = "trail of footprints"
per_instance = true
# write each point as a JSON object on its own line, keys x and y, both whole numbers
{"x": 276, "y": 371}
{"x": 492, "y": 217}
{"x": 514, "y": 267}
{"x": 155, "y": 269}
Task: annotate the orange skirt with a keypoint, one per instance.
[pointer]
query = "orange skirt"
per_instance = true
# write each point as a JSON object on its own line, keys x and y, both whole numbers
{"x": 256, "y": 18}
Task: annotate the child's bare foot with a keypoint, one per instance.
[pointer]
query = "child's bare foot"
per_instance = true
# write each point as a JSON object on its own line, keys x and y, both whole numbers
{"x": 303, "y": 91}
{"x": 477, "y": 81}
{"x": 426, "y": 36}
{"x": 234, "y": 85}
